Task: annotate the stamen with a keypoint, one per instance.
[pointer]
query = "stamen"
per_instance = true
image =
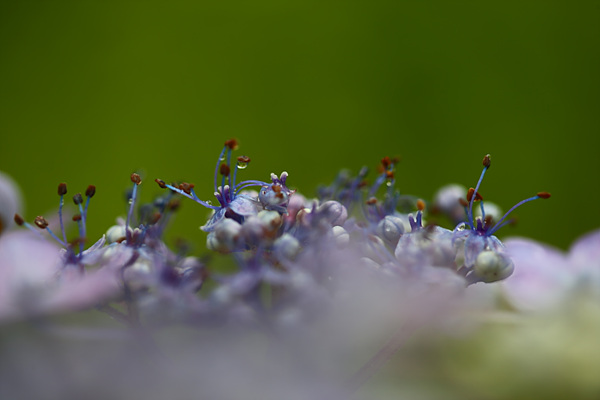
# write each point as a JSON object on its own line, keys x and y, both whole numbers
{"x": 81, "y": 240}
{"x": 420, "y": 205}
{"x": 371, "y": 201}
{"x": 62, "y": 190}
{"x": 135, "y": 178}
{"x": 161, "y": 183}
{"x": 486, "y": 164}
{"x": 499, "y": 224}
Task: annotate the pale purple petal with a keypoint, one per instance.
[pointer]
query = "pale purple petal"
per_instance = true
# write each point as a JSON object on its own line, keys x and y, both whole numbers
{"x": 541, "y": 278}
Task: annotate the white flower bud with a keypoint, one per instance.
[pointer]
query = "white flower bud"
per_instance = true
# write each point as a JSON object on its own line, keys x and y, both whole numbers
{"x": 342, "y": 237}
{"x": 390, "y": 229}
{"x": 115, "y": 233}
{"x": 491, "y": 266}
{"x": 287, "y": 247}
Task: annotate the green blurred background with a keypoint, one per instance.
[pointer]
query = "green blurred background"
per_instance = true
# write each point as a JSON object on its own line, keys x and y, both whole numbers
{"x": 92, "y": 91}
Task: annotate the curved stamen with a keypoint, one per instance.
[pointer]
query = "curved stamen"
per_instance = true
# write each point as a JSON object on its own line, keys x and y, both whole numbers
{"x": 499, "y": 224}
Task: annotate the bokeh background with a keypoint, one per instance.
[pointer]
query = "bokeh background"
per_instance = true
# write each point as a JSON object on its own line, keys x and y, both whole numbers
{"x": 91, "y": 91}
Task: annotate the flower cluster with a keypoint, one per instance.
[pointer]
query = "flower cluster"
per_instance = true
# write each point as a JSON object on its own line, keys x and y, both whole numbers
{"x": 358, "y": 246}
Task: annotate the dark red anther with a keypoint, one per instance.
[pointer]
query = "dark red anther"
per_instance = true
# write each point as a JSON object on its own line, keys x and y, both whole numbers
{"x": 173, "y": 204}
{"x": 155, "y": 218}
{"x": 224, "y": 169}
{"x": 78, "y": 199}
{"x": 231, "y": 143}
{"x": 135, "y": 178}
{"x": 161, "y": 183}
{"x": 488, "y": 221}
{"x": 543, "y": 195}
{"x": 363, "y": 184}
{"x": 90, "y": 191}
{"x": 420, "y": 205}
{"x": 19, "y": 220}
{"x": 487, "y": 161}
{"x": 62, "y": 189}
{"x": 389, "y": 174}
{"x": 41, "y": 222}
{"x": 463, "y": 202}
{"x": 276, "y": 188}
{"x": 186, "y": 187}
{"x": 244, "y": 159}
{"x": 386, "y": 162}
{"x": 470, "y": 195}
{"x": 371, "y": 201}
{"x": 76, "y": 217}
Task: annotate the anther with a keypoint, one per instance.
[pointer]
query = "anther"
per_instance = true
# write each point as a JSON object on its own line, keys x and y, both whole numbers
{"x": 78, "y": 199}
{"x": 420, "y": 205}
{"x": 543, "y": 195}
{"x": 470, "y": 195}
{"x": 224, "y": 169}
{"x": 76, "y": 217}
{"x": 487, "y": 161}
{"x": 386, "y": 162}
{"x": 276, "y": 188}
{"x": 161, "y": 183}
{"x": 155, "y": 217}
{"x": 371, "y": 201}
{"x": 389, "y": 174}
{"x": 231, "y": 143}
{"x": 488, "y": 220}
{"x": 173, "y": 204}
{"x": 90, "y": 191}
{"x": 62, "y": 189}
{"x": 186, "y": 187}
{"x": 135, "y": 178}
{"x": 244, "y": 159}
{"x": 41, "y": 222}
{"x": 463, "y": 202}
{"x": 19, "y": 220}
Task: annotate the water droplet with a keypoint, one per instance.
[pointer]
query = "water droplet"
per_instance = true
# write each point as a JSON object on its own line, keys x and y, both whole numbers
{"x": 242, "y": 164}
{"x": 130, "y": 202}
{"x": 389, "y": 183}
{"x": 222, "y": 158}
{"x": 209, "y": 202}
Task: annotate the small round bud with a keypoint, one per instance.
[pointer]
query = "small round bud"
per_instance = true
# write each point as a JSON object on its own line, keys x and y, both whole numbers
{"x": 491, "y": 266}
{"x": 115, "y": 233}
{"x": 390, "y": 229}
{"x": 287, "y": 247}
{"x": 334, "y": 212}
{"x": 341, "y": 236}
